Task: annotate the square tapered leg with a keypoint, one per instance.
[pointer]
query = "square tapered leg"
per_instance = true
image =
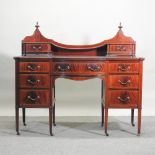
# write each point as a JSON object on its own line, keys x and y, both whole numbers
{"x": 17, "y": 121}
{"x": 50, "y": 121}
{"x": 106, "y": 122}
{"x": 139, "y": 122}
{"x": 132, "y": 117}
{"x": 24, "y": 119}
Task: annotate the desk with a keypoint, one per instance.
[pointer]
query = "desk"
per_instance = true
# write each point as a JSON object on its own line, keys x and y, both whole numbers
{"x": 113, "y": 61}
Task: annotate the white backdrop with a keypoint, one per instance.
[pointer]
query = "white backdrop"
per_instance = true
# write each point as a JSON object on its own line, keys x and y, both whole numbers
{"x": 76, "y": 22}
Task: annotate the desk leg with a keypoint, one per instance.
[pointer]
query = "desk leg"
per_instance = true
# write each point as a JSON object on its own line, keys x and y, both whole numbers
{"x": 17, "y": 121}
{"x": 106, "y": 122}
{"x": 54, "y": 108}
{"x": 23, "y": 110}
{"x": 50, "y": 121}
{"x": 132, "y": 117}
{"x": 139, "y": 122}
{"x": 54, "y": 115}
{"x": 102, "y": 107}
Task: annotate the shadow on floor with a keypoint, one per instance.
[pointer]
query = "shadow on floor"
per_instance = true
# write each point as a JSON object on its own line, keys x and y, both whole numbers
{"x": 77, "y": 128}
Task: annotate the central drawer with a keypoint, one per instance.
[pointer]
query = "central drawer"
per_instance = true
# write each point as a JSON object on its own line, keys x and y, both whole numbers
{"x": 90, "y": 68}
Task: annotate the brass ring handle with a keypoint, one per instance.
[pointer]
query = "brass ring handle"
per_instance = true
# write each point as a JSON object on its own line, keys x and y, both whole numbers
{"x": 63, "y": 67}
{"x": 94, "y": 68}
{"x": 123, "y": 99}
{"x": 124, "y": 83}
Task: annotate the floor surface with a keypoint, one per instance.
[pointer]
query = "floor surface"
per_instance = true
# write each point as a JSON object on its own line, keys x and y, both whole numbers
{"x": 77, "y": 136}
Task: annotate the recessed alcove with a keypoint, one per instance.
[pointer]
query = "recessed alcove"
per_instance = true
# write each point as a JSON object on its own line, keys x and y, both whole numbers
{"x": 78, "y": 98}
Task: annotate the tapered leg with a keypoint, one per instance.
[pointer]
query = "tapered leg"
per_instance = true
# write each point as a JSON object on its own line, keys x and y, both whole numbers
{"x": 23, "y": 110}
{"x": 50, "y": 121}
{"x": 106, "y": 122}
{"x": 139, "y": 122}
{"x": 17, "y": 121}
{"x": 54, "y": 115}
{"x": 102, "y": 107}
{"x": 132, "y": 117}
{"x": 54, "y": 108}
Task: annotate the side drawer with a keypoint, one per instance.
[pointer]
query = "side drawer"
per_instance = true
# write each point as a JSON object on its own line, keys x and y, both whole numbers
{"x": 34, "y": 98}
{"x": 34, "y": 81}
{"x": 123, "y": 99}
{"x": 124, "y": 81}
{"x": 123, "y": 67}
{"x": 34, "y": 66}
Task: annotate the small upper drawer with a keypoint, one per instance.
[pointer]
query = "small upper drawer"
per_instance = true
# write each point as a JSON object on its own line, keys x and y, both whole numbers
{"x": 34, "y": 81}
{"x": 121, "y": 47}
{"x": 37, "y": 48}
{"x": 124, "y": 81}
{"x": 34, "y": 66}
{"x": 123, "y": 67}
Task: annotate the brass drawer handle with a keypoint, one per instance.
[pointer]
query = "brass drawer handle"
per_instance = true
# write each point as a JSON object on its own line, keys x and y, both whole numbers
{"x": 93, "y": 67}
{"x": 32, "y": 97}
{"x": 123, "y": 67}
{"x": 36, "y": 47}
{"x": 124, "y": 100}
{"x": 32, "y": 80}
{"x": 124, "y": 83}
{"x": 33, "y": 67}
{"x": 121, "y": 48}
{"x": 63, "y": 67}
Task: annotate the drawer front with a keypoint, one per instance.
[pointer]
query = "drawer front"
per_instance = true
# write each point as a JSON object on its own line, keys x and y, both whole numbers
{"x": 122, "y": 98}
{"x": 121, "y": 48}
{"x": 124, "y": 81}
{"x": 83, "y": 68}
{"x": 34, "y": 98}
{"x": 34, "y": 67}
{"x": 34, "y": 81}
{"x": 123, "y": 67}
{"x": 38, "y": 47}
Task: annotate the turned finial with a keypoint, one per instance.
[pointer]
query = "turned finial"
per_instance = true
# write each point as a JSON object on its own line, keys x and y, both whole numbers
{"x": 120, "y": 26}
{"x": 37, "y": 26}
